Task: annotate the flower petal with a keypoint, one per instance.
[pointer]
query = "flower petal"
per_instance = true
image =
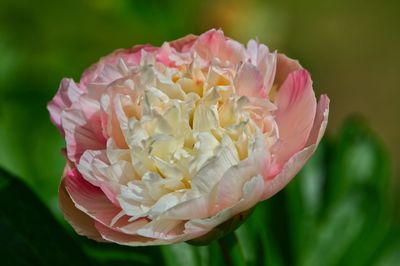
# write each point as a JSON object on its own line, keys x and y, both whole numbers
{"x": 296, "y": 162}
{"x": 83, "y": 129}
{"x": 184, "y": 44}
{"x": 229, "y": 189}
{"x": 213, "y": 44}
{"x": 294, "y": 117}
{"x": 252, "y": 191}
{"x": 81, "y": 222}
{"x": 90, "y": 199}
{"x": 320, "y": 121}
{"x": 250, "y": 82}
{"x": 67, "y": 94}
{"x": 265, "y": 62}
{"x": 130, "y": 56}
{"x": 284, "y": 67}
{"x": 115, "y": 236}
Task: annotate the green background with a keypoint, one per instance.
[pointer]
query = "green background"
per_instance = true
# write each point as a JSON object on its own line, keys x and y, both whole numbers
{"x": 340, "y": 210}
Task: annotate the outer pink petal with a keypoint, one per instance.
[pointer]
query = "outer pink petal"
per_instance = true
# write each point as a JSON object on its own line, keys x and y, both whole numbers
{"x": 284, "y": 67}
{"x": 82, "y": 223}
{"x": 296, "y": 105}
{"x": 83, "y": 129}
{"x": 320, "y": 121}
{"x": 67, "y": 94}
{"x": 184, "y": 44}
{"x": 90, "y": 199}
{"x": 130, "y": 56}
{"x": 297, "y": 161}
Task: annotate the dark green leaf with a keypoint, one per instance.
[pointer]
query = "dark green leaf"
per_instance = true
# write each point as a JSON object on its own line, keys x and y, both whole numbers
{"x": 28, "y": 232}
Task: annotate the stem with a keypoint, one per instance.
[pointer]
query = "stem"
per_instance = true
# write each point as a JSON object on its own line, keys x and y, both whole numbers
{"x": 231, "y": 250}
{"x": 225, "y": 251}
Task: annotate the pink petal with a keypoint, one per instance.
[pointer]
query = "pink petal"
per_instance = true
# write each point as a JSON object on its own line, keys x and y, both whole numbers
{"x": 250, "y": 82}
{"x": 163, "y": 55}
{"x": 83, "y": 129}
{"x": 67, "y": 94}
{"x": 130, "y": 56}
{"x": 296, "y": 107}
{"x": 284, "y": 67}
{"x": 183, "y": 44}
{"x": 320, "y": 121}
{"x": 82, "y": 223}
{"x": 90, "y": 199}
{"x": 265, "y": 62}
{"x": 213, "y": 44}
{"x": 296, "y": 162}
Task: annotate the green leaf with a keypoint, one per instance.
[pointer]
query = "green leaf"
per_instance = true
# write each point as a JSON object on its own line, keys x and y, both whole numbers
{"x": 389, "y": 251}
{"x": 28, "y": 232}
{"x": 357, "y": 159}
{"x": 348, "y": 234}
{"x": 351, "y": 218}
{"x": 305, "y": 199}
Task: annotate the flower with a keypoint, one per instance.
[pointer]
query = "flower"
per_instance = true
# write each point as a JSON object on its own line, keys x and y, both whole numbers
{"x": 165, "y": 144}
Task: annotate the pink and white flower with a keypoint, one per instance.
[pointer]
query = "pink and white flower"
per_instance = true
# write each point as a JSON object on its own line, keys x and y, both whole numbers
{"x": 163, "y": 144}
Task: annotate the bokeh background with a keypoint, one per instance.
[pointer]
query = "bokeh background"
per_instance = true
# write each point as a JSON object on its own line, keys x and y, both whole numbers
{"x": 351, "y": 49}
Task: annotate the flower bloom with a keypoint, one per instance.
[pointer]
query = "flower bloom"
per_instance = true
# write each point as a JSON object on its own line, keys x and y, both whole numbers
{"x": 163, "y": 144}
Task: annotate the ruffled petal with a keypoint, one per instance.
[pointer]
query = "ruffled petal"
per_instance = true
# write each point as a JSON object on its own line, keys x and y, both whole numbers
{"x": 67, "y": 94}
{"x": 297, "y": 161}
{"x": 81, "y": 222}
{"x": 284, "y": 67}
{"x": 90, "y": 199}
{"x": 252, "y": 191}
{"x": 296, "y": 108}
{"x": 213, "y": 44}
{"x": 118, "y": 237}
{"x": 184, "y": 44}
{"x": 250, "y": 82}
{"x": 229, "y": 189}
{"x": 130, "y": 56}
{"x": 83, "y": 129}
{"x": 265, "y": 62}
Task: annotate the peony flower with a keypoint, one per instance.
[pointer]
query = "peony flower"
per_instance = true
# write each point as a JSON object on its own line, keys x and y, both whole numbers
{"x": 165, "y": 144}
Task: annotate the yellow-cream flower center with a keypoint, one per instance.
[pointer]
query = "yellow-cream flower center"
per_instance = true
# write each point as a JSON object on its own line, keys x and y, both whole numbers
{"x": 184, "y": 127}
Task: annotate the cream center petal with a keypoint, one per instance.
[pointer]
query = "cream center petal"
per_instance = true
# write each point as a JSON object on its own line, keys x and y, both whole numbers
{"x": 184, "y": 128}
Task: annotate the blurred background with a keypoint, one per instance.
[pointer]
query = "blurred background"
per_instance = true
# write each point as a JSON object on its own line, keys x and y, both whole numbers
{"x": 351, "y": 49}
